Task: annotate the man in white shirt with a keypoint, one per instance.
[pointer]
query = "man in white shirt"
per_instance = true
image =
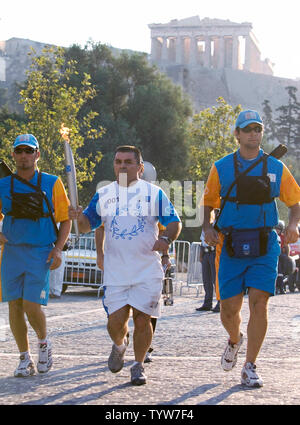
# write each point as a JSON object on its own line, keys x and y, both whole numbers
{"x": 130, "y": 209}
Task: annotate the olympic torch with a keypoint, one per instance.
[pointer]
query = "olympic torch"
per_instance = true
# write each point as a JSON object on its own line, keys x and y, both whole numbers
{"x": 70, "y": 172}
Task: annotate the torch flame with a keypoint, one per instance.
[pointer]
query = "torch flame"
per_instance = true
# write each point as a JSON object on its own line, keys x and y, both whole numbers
{"x": 64, "y": 131}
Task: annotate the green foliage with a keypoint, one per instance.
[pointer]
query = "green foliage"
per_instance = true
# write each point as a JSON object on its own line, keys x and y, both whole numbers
{"x": 288, "y": 122}
{"x": 158, "y": 112}
{"x": 139, "y": 106}
{"x": 285, "y": 126}
{"x": 49, "y": 101}
{"x": 269, "y": 123}
{"x": 211, "y": 137}
{"x": 3, "y": 97}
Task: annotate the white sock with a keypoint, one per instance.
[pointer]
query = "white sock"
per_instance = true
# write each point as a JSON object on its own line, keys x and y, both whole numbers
{"x": 120, "y": 347}
{"x": 136, "y": 363}
{"x": 26, "y": 354}
{"x": 42, "y": 341}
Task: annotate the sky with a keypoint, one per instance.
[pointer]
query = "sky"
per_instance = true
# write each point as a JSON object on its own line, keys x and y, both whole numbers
{"x": 124, "y": 24}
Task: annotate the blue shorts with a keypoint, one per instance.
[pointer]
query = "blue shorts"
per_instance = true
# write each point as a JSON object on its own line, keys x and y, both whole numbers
{"x": 235, "y": 274}
{"x": 25, "y": 273}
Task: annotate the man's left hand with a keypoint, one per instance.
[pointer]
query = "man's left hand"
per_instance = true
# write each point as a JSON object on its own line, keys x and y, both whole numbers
{"x": 291, "y": 234}
{"x": 54, "y": 255}
{"x": 160, "y": 245}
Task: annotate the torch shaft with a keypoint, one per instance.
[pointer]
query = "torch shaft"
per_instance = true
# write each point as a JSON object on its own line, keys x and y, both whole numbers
{"x": 71, "y": 180}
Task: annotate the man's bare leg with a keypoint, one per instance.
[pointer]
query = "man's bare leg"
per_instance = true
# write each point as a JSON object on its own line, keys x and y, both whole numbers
{"x": 18, "y": 324}
{"x": 231, "y": 316}
{"x": 36, "y": 318}
{"x": 142, "y": 336}
{"x": 117, "y": 324}
{"x": 258, "y": 322}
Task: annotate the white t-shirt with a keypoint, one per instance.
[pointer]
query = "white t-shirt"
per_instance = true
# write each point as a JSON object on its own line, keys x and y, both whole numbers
{"x": 130, "y": 216}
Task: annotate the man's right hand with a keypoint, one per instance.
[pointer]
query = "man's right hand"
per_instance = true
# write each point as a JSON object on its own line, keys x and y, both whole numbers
{"x": 211, "y": 236}
{"x": 74, "y": 213}
{"x": 2, "y": 238}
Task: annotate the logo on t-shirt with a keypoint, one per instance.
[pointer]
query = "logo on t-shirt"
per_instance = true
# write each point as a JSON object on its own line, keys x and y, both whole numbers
{"x": 127, "y": 233}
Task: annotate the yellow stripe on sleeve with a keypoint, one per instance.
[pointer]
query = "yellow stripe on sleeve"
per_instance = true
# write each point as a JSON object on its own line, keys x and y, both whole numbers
{"x": 289, "y": 188}
{"x": 212, "y": 190}
{"x": 60, "y": 202}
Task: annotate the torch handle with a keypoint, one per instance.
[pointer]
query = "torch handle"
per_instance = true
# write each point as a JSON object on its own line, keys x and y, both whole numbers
{"x": 76, "y": 227}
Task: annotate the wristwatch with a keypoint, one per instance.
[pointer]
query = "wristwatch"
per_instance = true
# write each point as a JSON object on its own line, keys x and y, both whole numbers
{"x": 167, "y": 239}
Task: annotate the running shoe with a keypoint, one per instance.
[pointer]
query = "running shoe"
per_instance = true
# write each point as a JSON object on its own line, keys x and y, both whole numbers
{"x": 116, "y": 358}
{"x": 138, "y": 376}
{"x": 44, "y": 363}
{"x": 25, "y": 368}
{"x": 229, "y": 357}
{"x": 249, "y": 376}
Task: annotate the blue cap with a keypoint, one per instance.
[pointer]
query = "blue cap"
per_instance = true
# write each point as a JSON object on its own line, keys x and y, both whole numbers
{"x": 248, "y": 117}
{"x": 27, "y": 140}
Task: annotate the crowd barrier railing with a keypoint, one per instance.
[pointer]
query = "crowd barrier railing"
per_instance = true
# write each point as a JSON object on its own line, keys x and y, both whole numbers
{"x": 194, "y": 273}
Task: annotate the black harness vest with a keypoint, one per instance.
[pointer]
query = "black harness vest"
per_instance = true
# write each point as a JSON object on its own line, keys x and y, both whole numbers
{"x": 27, "y": 205}
{"x": 252, "y": 190}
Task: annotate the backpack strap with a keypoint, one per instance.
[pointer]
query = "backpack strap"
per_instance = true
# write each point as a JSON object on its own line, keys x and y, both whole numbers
{"x": 39, "y": 190}
{"x": 226, "y": 197}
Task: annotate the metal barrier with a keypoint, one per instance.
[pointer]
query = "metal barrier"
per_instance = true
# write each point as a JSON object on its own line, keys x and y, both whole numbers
{"x": 80, "y": 263}
{"x": 194, "y": 272}
{"x": 181, "y": 251}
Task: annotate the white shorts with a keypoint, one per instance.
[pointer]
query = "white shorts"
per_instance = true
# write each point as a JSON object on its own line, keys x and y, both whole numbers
{"x": 144, "y": 297}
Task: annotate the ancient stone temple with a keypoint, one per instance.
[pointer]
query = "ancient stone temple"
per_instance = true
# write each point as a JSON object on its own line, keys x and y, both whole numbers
{"x": 210, "y": 43}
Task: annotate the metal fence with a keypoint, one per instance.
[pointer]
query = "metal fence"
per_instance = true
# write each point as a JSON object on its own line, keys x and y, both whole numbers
{"x": 80, "y": 263}
{"x": 180, "y": 251}
{"x": 194, "y": 272}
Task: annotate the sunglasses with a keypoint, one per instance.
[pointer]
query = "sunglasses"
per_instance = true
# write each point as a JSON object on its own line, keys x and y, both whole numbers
{"x": 27, "y": 150}
{"x": 248, "y": 129}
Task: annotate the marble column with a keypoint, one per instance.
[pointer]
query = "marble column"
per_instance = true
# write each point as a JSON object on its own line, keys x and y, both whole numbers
{"x": 2, "y": 69}
{"x": 221, "y": 52}
{"x": 179, "y": 50}
{"x": 235, "y": 52}
{"x": 207, "y": 57}
{"x": 247, "y": 66}
{"x": 172, "y": 50}
{"x": 193, "y": 51}
{"x": 154, "y": 49}
{"x": 164, "y": 53}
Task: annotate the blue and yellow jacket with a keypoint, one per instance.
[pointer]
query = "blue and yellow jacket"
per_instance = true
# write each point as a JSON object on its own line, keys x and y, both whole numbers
{"x": 26, "y": 231}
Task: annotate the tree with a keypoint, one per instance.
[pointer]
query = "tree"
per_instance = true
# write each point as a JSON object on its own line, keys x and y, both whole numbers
{"x": 269, "y": 123}
{"x": 211, "y": 137}
{"x": 138, "y": 106}
{"x": 288, "y": 122}
{"x": 159, "y": 114}
{"x": 49, "y": 101}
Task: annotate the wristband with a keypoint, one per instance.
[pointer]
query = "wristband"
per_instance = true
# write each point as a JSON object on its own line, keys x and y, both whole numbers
{"x": 167, "y": 239}
{"x": 165, "y": 256}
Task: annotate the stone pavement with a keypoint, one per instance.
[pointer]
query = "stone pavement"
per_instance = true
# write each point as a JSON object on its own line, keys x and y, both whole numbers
{"x": 186, "y": 360}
